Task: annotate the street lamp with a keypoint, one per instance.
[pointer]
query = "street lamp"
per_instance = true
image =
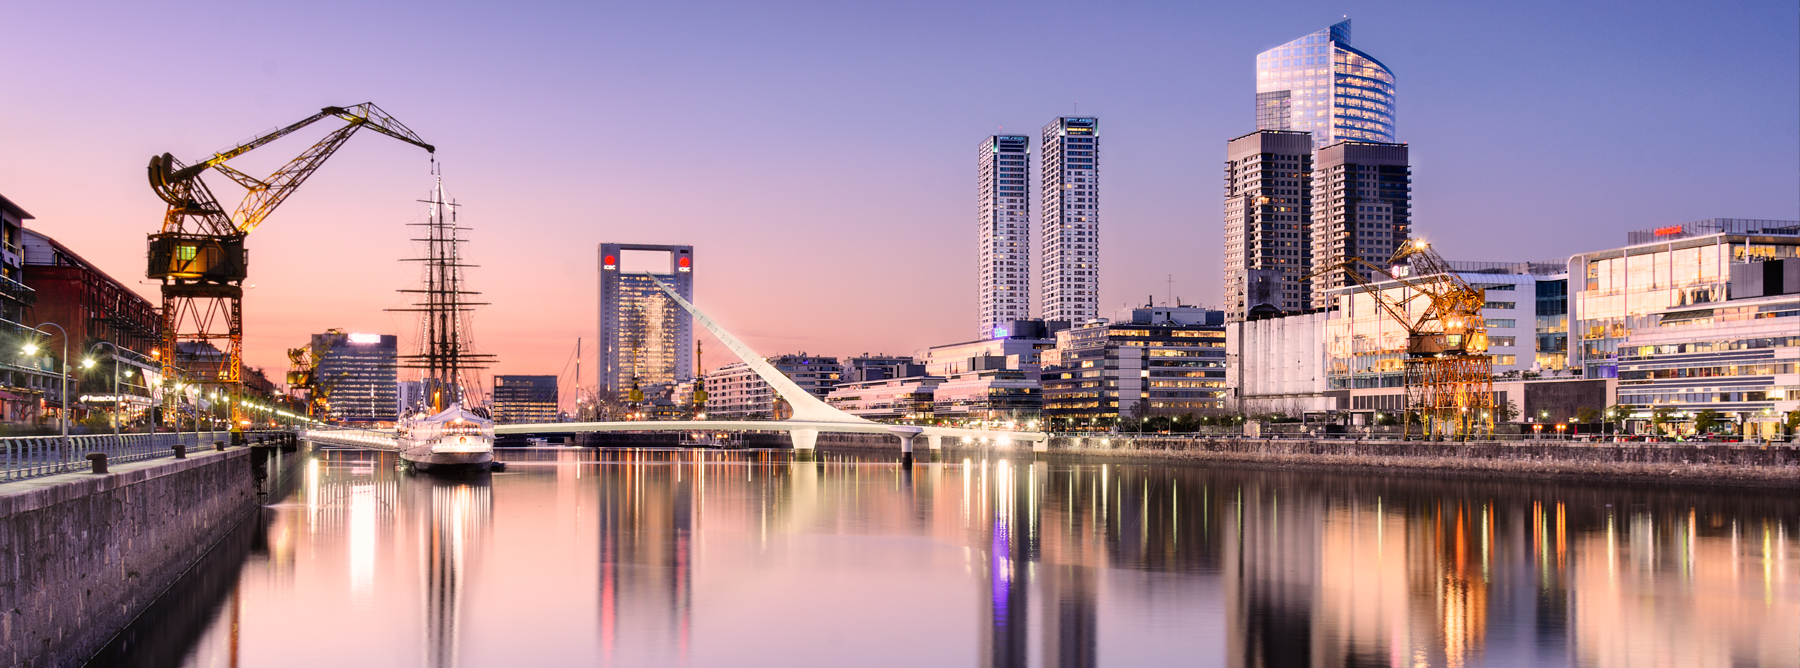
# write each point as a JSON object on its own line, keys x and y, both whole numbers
{"x": 117, "y": 400}
{"x": 31, "y": 349}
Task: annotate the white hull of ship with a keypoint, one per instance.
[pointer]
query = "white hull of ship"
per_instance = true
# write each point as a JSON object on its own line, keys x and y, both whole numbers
{"x": 428, "y": 455}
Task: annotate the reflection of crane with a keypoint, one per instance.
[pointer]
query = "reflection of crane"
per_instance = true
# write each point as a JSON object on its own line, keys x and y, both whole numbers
{"x": 199, "y": 254}
{"x": 1449, "y": 375}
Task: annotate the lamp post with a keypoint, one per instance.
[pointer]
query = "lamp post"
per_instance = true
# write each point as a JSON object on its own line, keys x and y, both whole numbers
{"x": 175, "y": 385}
{"x": 117, "y": 399}
{"x": 31, "y": 349}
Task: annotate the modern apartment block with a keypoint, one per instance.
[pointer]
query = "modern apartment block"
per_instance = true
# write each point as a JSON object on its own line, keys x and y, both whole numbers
{"x": 525, "y": 399}
{"x": 1268, "y": 223}
{"x": 736, "y": 392}
{"x": 1166, "y": 361}
{"x": 1069, "y": 169}
{"x": 645, "y": 337}
{"x": 1361, "y": 210}
{"x": 1005, "y": 231}
{"x": 1319, "y": 84}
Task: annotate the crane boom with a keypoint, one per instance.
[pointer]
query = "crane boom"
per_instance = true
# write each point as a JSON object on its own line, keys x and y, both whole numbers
{"x": 199, "y": 253}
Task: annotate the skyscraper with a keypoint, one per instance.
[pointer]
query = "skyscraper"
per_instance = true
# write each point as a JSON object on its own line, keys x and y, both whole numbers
{"x": 525, "y": 399}
{"x": 1070, "y": 182}
{"x": 1268, "y": 222}
{"x": 1319, "y": 84}
{"x": 1005, "y": 222}
{"x": 1362, "y": 208}
{"x": 359, "y": 370}
{"x": 645, "y": 337}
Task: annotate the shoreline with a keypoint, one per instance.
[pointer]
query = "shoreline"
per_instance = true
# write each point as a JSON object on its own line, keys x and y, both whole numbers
{"x": 1756, "y": 466}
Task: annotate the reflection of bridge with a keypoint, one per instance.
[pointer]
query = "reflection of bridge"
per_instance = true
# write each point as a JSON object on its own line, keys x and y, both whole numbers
{"x": 810, "y": 415}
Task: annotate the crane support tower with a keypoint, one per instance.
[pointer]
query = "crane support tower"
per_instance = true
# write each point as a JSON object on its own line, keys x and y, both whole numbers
{"x": 199, "y": 254}
{"x": 1448, "y": 373}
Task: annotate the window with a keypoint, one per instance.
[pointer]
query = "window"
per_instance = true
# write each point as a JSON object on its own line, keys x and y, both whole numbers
{"x": 1505, "y": 360}
{"x": 1502, "y": 322}
{"x": 1502, "y": 341}
{"x": 1501, "y": 305}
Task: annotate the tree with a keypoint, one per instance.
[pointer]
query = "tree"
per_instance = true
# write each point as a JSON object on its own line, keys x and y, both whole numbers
{"x": 1587, "y": 415}
{"x": 1660, "y": 416}
{"x": 1706, "y": 420}
{"x": 1185, "y": 423}
{"x": 1158, "y": 423}
{"x": 1506, "y": 412}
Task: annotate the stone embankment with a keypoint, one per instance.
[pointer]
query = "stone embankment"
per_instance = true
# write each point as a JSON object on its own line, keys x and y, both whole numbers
{"x": 82, "y": 554}
{"x": 1733, "y": 464}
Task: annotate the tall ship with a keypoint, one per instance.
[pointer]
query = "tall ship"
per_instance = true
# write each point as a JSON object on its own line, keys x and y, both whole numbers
{"x": 454, "y": 437}
{"x": 445, "y": 431}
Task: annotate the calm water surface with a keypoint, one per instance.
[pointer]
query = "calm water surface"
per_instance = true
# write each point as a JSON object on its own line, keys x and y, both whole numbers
{"x": 673, "y": 558}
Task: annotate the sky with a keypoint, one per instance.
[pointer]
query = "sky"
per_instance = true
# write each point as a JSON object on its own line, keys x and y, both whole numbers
{"x": 821, "y": 156}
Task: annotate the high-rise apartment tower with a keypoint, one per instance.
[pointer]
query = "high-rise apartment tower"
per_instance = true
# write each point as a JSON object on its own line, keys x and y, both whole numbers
{"x": 1319, "y": 84}
{"x": 1005, "y": 232}
{"x": 1070, "y": 182}
{"x": 1362, "y": 208}
{"x": 645, "y": 337}
{"x": 1268, "y": 222}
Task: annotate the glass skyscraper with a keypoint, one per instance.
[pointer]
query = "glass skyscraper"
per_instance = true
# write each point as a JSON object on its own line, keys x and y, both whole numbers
{"x": 646, "y": 339}
{"x": 1319, "y": 84}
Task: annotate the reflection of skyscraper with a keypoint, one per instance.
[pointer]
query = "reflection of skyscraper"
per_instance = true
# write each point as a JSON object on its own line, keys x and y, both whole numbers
{"x": 1005, "y": 600}
{"x": 1319, "y": 84}
{"x": 643, "y": 334}
{"x": 457, "y": 514}
{"x": 646, "y": 561}
{"x": 1004, "y": 211}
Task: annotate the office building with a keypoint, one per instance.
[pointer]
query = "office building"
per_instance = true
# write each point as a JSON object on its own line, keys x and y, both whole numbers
{"x": 1005, "y": 231}
{"x": 59, "y": 286}
{"x": 736, "y": 392}
{"x": 646, "y": 339}
{"x": 1069, "y": 171}
{"x": 525, "y": 399}
{"x": 898, "y": 399}
{"x": 358, "y": 373}
{"x": 1268, "y": 223}
{"x": 1361, "y": 210}
{"x": 1692, "y": 317}
{"x": 1320, "y": 84}
{"x": 1170, "y": 362}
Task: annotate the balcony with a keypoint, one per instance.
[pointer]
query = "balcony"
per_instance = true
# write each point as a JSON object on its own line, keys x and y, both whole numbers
{"x": 17, "y": 291}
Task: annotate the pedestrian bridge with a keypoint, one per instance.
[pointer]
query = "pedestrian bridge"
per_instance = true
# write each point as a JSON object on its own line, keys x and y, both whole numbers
{"x": 810, "y": 418}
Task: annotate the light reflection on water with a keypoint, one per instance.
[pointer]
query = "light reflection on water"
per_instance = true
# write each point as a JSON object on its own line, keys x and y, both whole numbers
{"x": 655, "y": 557}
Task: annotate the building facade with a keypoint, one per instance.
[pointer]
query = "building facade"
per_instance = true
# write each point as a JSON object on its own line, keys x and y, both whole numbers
{"x": 1268, "y": 222}
{"x": 906, "y": 399}
{"x": 1004, "y": 222}
{"x": 646, "y": 339}
{"x": 525, "y": 399}
{"x": 1361, "y": 211}
{"x": 1102, "y": 372}
{"x": 1276, "y": 364}
{"x": 1693, "y": 317}
{"x": 1069, "y": 170}
{"x": 735, "y": 392}
{"x": 359, "y": 371}
{"x": 1320, "y": 84}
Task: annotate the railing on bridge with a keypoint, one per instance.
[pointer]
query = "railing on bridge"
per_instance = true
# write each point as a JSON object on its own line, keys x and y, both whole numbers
{"x": 24, "y": 457}
{"x": 356, "y": 438}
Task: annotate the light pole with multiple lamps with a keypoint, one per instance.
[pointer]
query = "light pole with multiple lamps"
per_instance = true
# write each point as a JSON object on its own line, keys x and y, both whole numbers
{"x": 31, "y": 349}
{"x": 88, "y": 363}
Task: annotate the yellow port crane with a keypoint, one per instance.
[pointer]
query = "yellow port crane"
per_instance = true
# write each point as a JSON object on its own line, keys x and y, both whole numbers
{"x": 1449, "y": 376}
{"x": 199, "y": 254}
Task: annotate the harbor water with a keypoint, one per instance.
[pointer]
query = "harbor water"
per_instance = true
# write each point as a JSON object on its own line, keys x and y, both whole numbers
{"x": 663, "y": 557}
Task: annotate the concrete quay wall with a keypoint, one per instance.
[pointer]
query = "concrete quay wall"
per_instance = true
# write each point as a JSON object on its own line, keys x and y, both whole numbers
{"x": 1714, "y": 464}
{"x": 81, "y": 555}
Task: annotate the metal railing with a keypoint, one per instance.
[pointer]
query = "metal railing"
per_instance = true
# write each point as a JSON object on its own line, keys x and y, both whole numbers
{"x": 24, "y": 457}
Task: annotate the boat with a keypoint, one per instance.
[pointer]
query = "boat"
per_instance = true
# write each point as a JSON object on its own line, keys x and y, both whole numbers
{"x": 453, "y": 438}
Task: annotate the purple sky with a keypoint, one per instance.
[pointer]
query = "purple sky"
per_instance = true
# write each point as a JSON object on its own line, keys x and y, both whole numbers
{"x": 821, "y": 157}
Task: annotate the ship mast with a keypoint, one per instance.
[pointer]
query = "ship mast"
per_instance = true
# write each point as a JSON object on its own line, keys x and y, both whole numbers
{"x": 445, "y": 354}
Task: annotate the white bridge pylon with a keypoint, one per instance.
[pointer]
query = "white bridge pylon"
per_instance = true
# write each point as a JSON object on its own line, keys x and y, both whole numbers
{"x": 810, "y": 415}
